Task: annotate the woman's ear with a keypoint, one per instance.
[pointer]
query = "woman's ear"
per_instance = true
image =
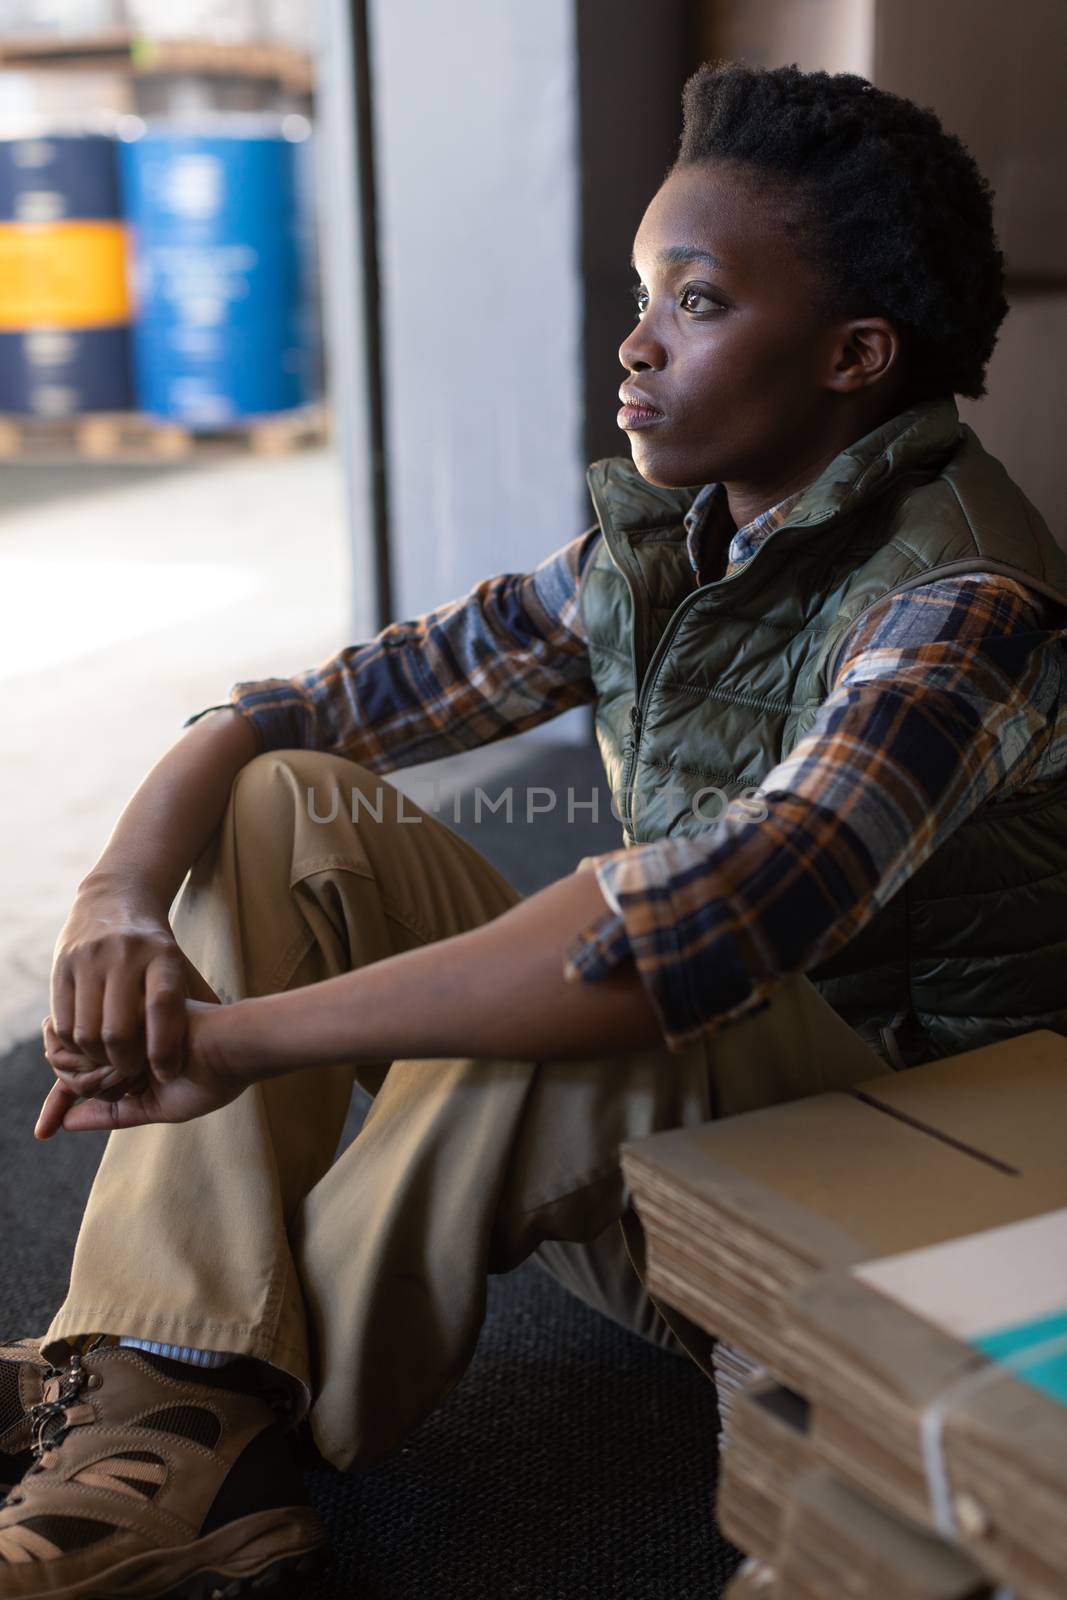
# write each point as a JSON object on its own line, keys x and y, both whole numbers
{"x": 864, "y": 352}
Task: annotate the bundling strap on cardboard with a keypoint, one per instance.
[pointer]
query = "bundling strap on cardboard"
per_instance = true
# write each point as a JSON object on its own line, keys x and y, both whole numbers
{"x": 932, "y": 1429}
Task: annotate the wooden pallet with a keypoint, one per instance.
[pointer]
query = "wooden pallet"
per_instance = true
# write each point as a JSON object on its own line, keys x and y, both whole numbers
{"x": 292, "y": 69}
{"x": 134, "y": 439}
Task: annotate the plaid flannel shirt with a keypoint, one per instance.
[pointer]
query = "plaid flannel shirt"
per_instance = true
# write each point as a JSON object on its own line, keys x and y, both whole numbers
{"x": 947, "y": 698}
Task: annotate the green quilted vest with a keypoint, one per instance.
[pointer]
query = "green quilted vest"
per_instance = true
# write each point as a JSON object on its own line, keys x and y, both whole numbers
{"x": 707, "y": 689}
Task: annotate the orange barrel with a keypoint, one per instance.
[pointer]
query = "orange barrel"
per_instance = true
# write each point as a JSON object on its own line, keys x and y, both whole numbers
{"x": 64, "y": 301}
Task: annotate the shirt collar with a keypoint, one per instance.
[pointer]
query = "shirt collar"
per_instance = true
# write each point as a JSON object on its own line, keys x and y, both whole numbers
{"x": 709, "y": 515}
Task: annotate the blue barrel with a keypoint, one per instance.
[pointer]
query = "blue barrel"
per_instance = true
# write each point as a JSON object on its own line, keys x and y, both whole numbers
{"x": 58, "y": 177}
{"x": 221, "y": 325}
{"x": 64, "y": 299}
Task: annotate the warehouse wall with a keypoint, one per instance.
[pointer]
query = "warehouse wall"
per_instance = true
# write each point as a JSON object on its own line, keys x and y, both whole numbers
{"x": 630, "y": 77}
{"x": 1021, "y": 418}
{"x": 476, "y": 152}
{"x": 827, "y": 35}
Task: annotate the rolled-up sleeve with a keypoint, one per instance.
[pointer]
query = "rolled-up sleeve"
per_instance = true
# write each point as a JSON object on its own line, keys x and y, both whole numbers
{"x": 505, "y": 657}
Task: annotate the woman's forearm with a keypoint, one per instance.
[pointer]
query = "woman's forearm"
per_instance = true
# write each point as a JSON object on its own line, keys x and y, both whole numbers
{"x": 497, "y": 991}
{"x": 176, "y": 809}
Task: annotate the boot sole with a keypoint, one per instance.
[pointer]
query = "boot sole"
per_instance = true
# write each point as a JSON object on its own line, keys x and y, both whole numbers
{"x": 283, "y": 1578}
{"x": 267, "y": 1553}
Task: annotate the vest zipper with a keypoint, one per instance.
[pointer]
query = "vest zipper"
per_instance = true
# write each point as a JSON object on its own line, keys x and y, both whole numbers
{"x": 631, "y": 763}
{"x": 643, "y": 690}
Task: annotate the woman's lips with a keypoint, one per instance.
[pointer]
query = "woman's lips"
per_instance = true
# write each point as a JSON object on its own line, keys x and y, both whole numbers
{"x": 638, "y": 416}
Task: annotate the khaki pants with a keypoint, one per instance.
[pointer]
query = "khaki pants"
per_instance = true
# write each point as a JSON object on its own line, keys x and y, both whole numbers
{"x": 364, "y": 1277}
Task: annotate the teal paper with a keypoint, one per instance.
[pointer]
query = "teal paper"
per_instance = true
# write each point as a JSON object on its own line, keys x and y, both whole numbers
{"x": 1010, "y": 1345}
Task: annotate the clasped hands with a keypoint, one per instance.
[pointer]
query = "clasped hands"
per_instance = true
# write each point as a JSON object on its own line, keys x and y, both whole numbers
{"x": 92, "y": 1094}
{"x": 127, "y": 1043}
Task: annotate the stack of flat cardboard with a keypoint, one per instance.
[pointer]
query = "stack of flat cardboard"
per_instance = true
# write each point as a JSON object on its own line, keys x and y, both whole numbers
{"x": 837, "y": 1542}
{"x": 765, "y": 1453}
{"x": 769, "y": 1231}
{"x": 812, "y": 1535}
{"x": 740, "y": 1215}
{"x": 938, "y": 1381}
{"x": 734, "y": 1372}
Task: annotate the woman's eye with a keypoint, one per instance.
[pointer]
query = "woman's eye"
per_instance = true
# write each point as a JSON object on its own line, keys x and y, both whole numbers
{"x": 690, "y": 299}
{"x": 693, "y": 299}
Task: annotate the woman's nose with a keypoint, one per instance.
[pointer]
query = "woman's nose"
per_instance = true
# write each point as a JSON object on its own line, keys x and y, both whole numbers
{"x": 640, "y": 351}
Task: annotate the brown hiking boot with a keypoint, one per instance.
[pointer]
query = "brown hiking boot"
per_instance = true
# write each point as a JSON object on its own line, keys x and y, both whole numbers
{"x": 22, "y": 1372}
{"x": 152, "y": 1479}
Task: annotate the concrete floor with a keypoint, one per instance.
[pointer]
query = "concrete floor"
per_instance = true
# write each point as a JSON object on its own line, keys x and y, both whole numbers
{"x": 130, "y": 598}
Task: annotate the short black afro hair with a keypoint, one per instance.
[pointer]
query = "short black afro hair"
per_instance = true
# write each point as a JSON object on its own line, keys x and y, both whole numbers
{"x": 892, "y": 208}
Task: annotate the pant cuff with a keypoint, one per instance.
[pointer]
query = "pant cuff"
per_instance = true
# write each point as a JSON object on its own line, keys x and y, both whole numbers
{"x": 73, "y": 1325}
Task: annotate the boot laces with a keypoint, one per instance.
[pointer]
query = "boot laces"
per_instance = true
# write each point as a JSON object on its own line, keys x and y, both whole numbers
{"x": 51, "y": 1419}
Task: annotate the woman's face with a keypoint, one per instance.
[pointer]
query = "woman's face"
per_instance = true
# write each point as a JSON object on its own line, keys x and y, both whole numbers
{"x": 730, "y": 346}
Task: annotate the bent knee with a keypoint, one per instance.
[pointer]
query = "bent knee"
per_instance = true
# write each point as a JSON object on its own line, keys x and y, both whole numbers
{"x": 313, "y": 768}
{"x": 279, "y": 788}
